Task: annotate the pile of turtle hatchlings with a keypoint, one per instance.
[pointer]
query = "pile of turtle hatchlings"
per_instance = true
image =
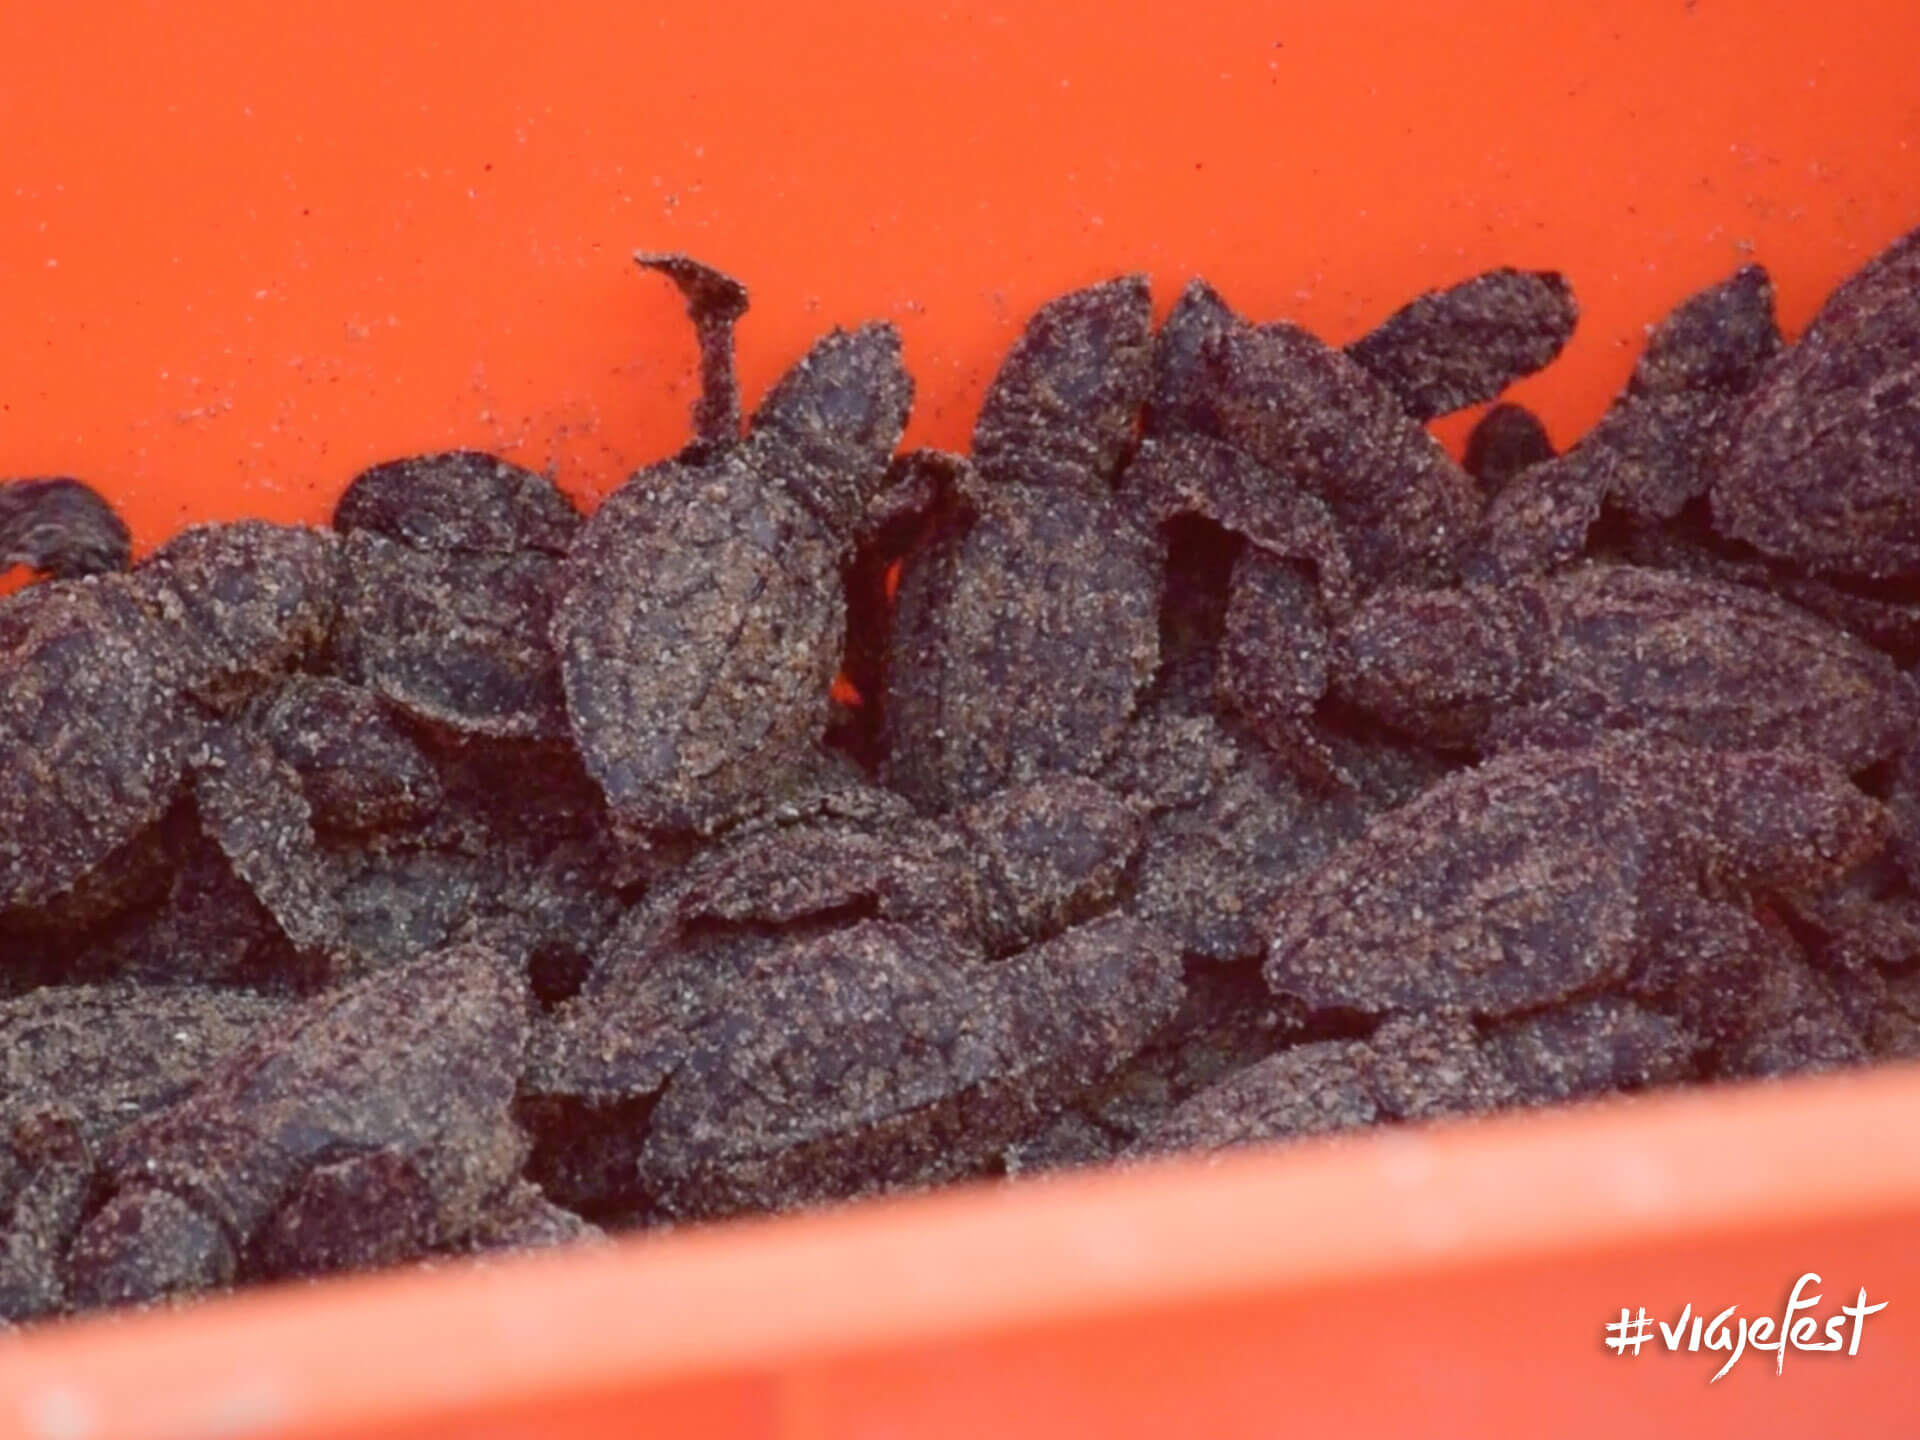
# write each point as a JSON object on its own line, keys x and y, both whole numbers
{"x": 1228, "y": 764}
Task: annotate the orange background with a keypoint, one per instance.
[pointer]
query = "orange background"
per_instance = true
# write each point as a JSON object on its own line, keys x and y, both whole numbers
{"x": 249, "y": 247}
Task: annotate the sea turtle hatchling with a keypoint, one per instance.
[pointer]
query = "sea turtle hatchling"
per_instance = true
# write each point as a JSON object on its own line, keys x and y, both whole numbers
{"x": 1275, "y": 437}
{"x": 1823, "y": 465}
{"x": 77, "y": 1064}
{"x": 1319, "y": 423}
{"x": 1543, "y": 874}
{"x": 912, "y": 1063}
{"x": 451, "y": 569}
{"x": 702, "y": 615}
{"x": 1027, "y": 628}
{"x": 389, "y": 1098}
{"x": 968, "y": 897}
{"x": 1603, "y": 649}
{"x": 108, "y": 682}
{"x": 1655, "y": 450}
{"x": 62, "y": 527}
{"x": 1008, "y": 872}
{"x": 1447, "y": 349}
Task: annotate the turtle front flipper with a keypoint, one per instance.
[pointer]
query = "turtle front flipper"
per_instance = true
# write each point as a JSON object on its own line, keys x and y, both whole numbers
{"x": 715, "y": 300}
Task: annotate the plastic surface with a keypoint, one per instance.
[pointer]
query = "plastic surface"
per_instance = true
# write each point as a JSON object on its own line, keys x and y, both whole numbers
{"x": 247, "y": 248}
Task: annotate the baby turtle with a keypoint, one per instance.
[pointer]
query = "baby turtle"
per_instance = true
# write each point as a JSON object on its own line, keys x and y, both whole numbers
{"x": 1506, "y": 441}
{"x": 1592, "y": 1047}
{"x": 1544, "y": 874}
{"x": 685, "y": 964}
{"x": 46, "y": 1170}
{"x": 1230, "y": 827}
{"x": 1824, "y": 466}
{"x": 1408, "y": 1070}
{"x": 914, "y": 1064}
{"x": 248, "y": 601}
{"x": 94, "y": 726}
{"x": 251, "y": 805}
{"x": 1026, "y": 631}
{"x": 1608, "y": 648}
{"x": 107, "y": 682}
{"x": 62, "y": 527}
{"x": 112, "y": 1053}
{"x": 1451, "y": 348}
{"x": 359, "y": 768}
{"x": 1322, "y": 424}
{"x": 451, "y": 569}
{"x": 1264, "y": 655}
{"x": 1012, "y": 870}
{"x": 77, "y": 1064}
{"x": 1739, "y": 981}
{"x": 1267, "y": 433}
{"x": 1658, "y": 446}
{"x": 383, "y": 1106}
{"x": 702, "y": 615}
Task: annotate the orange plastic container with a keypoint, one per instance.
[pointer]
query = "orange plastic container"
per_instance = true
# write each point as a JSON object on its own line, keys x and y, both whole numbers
{"x": 247, "y": 248}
